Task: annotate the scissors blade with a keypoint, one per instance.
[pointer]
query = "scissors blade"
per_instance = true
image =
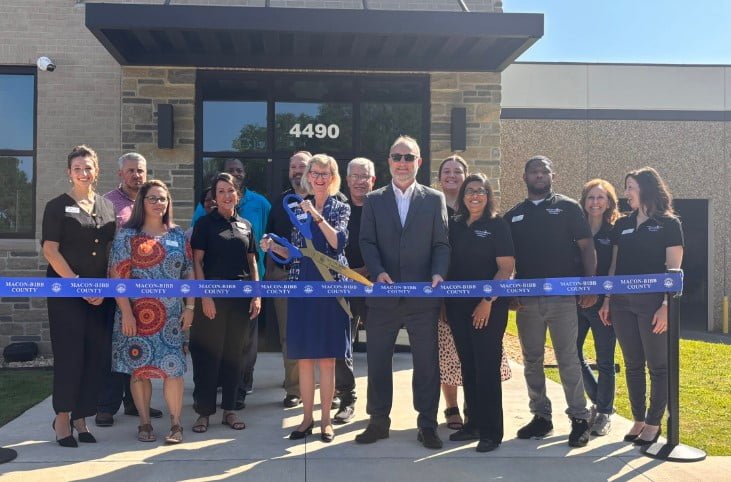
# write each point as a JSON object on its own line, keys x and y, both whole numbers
{"x": 325, "y": 261}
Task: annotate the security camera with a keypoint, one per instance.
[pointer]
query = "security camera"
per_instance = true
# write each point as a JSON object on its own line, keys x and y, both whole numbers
{"x": 44, "y": 63}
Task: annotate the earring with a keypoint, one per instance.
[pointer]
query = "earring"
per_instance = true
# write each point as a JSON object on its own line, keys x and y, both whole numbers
{"x": 70, "y": 181}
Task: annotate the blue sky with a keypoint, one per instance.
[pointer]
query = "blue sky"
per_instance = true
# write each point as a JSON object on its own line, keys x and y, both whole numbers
{"x": 642, "y": 31}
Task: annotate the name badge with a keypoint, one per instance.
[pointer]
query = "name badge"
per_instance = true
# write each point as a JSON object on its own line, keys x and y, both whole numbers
{"x": 73, "y": 209}
{"x": 481, "y": 233}
{"x": 517, "y": 218}
{"x": 172, "y": 242}
{"x": 628, "y": 231}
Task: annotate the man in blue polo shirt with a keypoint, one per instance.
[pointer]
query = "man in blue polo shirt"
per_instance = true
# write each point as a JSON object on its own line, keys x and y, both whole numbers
{"x": 547, "y": 229}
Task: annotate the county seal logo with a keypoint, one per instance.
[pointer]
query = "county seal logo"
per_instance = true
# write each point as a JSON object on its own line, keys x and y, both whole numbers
{"x": 309, "y": 289}
{"x": 120, "y": 288}
{"x": 56, "y": 287}
{"x": 608, "y": 285}
{"x": 185, "y": 289}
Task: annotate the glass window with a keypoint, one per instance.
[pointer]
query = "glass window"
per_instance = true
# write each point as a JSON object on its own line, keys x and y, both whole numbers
{"x": 256, "y": 173}
{"x": 16, "y": 195}
{"x": 234, "y": 126}
{"x": 315, "y": 127}
{"x": 16, "y": 106}
{"x": 17, "y": 152}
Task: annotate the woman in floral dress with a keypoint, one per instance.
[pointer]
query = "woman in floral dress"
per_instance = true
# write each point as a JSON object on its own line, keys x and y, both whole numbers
{"x": 148, "y": 336}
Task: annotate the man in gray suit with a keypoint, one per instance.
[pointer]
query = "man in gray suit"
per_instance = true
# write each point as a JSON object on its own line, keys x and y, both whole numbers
{"x": 404, "y": 237}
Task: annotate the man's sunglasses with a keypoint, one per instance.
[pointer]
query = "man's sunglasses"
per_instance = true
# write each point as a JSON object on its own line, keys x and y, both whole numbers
{"x": 406, "y": 157}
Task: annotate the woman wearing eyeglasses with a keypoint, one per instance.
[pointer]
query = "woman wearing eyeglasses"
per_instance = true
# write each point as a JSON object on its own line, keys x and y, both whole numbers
{"x": 318, "y": 329}
{"x": 147, "y": 341}
{"x": 482, "y": 249}
{"x": 223, "y": 249}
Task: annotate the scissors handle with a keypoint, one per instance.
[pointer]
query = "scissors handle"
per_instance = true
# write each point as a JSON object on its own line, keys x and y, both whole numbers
{"x": 294, "y": 252}
{"x": 301, "y": 222}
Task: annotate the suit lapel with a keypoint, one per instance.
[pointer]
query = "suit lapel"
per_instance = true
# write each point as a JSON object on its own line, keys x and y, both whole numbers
{"x": 391, "y": 206}
{"x": 414, "y": 205}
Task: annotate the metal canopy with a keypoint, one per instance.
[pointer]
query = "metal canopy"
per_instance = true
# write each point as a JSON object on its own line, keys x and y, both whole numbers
{"x": 313, "y": 39}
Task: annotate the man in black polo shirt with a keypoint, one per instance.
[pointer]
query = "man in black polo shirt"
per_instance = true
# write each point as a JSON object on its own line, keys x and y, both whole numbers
{"x": 547, "y": 228}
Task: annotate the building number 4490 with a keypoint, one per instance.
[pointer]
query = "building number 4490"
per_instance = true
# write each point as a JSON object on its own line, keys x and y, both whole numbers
{"x": 319, "y": 131}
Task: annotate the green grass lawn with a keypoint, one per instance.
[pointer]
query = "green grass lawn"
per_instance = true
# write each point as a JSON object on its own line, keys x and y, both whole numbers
{"x": 705, "y": 391}
{"x": 21, "y": 389}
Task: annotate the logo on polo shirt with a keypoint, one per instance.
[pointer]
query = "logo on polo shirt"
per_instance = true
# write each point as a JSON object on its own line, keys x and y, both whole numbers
{"x": 654, "y": 229}
{"x": 547, "y": 287}
{"x": 309, "y": 289}
{"x": 487, "y": 289}
{"x": 120, "y": 288}
{"x": 554, "y": 210}
{"x": 56, "y": 287}
{"x": 481, "y": 233}
{"x": 608, "y": 285}
{"x": 185, "y": 289}
{"x": 604, "y": 241}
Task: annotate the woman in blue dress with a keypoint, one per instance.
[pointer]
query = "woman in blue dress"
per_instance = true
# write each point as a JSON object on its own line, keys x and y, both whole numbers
{"x": 318, "y": 329}
{"x": 147, "y": 341}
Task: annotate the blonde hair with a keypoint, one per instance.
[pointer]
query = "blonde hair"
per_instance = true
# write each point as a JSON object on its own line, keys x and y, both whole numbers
{"x": 322, "y": 160}
{"x": 612, "y": 212}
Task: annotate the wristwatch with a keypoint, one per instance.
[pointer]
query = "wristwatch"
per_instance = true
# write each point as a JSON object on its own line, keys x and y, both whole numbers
{"x": 190, "y": 307}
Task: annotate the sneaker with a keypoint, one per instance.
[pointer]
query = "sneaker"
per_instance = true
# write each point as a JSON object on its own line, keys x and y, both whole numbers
{"x": 579, "y": 435}
{"x": 538, "y": 428}
{"x": 602, "y": 425}
{"x": 345, "y": 414}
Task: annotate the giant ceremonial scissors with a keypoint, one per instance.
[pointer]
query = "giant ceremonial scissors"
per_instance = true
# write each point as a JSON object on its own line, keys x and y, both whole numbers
{"x": 323, "y": 262}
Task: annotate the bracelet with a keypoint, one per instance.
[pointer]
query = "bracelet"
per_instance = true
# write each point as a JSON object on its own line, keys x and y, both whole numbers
{"x": 318, "y": 220}
{"x": 190, "y": 307}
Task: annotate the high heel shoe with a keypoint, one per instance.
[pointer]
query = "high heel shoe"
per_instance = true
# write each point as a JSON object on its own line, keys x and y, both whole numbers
{"x": 69, "y": 441}
{"x": 297, "y": 435}
{"x": 85, "y": 437}
{"x": 640, "y": 442}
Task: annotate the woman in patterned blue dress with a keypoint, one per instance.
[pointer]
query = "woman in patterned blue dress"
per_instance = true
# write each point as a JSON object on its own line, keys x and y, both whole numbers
{"x": 147, "y": 340}
{"x": 318, "y": 329}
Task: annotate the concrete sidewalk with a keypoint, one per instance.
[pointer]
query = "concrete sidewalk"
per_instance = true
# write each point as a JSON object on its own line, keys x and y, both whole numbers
{"x": 262, "y": 451}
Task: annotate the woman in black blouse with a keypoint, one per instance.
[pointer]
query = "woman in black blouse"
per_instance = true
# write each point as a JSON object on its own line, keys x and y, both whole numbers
{"x": 78, "y": 228}
{"x": 649, "y": 240}
{"x": 482, "y": 248}
{"x": 599, "y": 202}
{"x": 223, "y": 249}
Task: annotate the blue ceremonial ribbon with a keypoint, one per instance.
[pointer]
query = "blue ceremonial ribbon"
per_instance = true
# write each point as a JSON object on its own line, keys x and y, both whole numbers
{"x": 149, "y": 288}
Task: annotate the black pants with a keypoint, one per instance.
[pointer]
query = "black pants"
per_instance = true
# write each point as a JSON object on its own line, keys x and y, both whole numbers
{"x": 480, "y": 353}
{"x": 344, "y": 374}
{"x": 81, "y": 348}
{"x": 215, "y": 348}
{"x": 382, "y": 329}
{"x": 248, "y": 360}
{"x": 114, "y": 386}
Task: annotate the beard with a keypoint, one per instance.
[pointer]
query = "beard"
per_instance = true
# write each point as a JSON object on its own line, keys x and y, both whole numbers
{"x": 539, "y": 191}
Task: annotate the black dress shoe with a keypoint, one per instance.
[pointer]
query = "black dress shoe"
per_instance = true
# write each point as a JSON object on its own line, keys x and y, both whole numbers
{"x": 429, "y": 438}
{"x": 630, "y": 437}
{"x": 372, "y": 434}
{"x": 85, "y": 437}
{"x": 344, "y": 415}
{"x": 487, "y": 445}
{"x": 464, "y": 434}
{"x": 103, "y": 419}
{"x": 327, "y": 437}
{"x": 69, "y": 441}
{"x": 291, "y": 401}
{"x": 640, "y": 442}
{"x": 297, "y": 435}
{"x": 240, "y": 404}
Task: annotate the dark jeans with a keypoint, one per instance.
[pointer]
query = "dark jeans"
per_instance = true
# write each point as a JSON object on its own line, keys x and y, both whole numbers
{"x": 215, "y": 348}
{"x": 344, "y": 375}
{"x": 480, "y": 354}
{"x": 599, "y": 390}
{"x": 631, "y": 317}
{"x": 114, "y": 386}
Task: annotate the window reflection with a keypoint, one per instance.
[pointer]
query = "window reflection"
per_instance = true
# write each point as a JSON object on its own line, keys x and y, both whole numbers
{"x": 16, "y": 194}
{"x": 256, "y": 173}
{"x": 314, "y": 127}
{"x": 16, "y": 109}
{"x": 234, "y": 126}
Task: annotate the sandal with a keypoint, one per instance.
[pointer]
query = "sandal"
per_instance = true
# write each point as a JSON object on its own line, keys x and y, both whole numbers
{"x": 145, "y": 433}
{"x": 201, "y": 425}
{"x": 176, "y": 435}
{"x": 235, "y": 424}
{"x": 453, "y": 424}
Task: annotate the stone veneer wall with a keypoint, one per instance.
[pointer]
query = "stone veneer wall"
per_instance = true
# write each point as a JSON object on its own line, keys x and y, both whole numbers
{"x": 143, "y": 89}
{"x": 480, "y": 94}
